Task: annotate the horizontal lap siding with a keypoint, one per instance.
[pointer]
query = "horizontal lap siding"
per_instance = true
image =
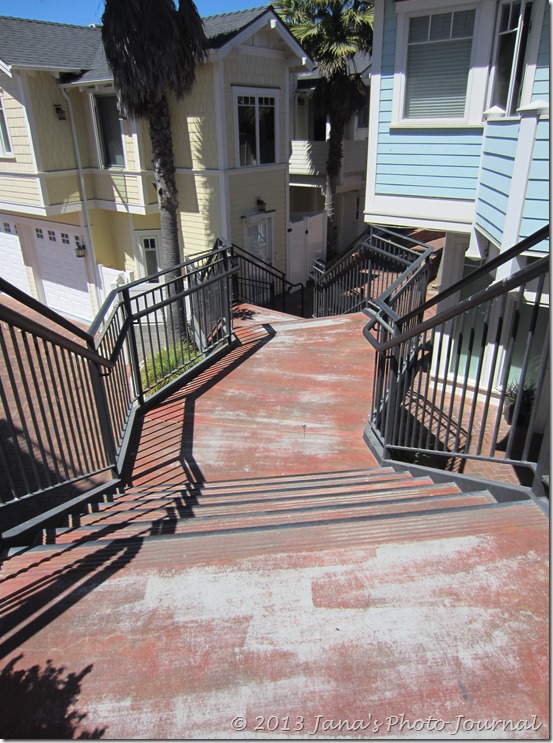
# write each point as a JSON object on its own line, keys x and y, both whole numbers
{"x": 536, "y": 206}
{"x": 431, "y": 163}
{"x": 498, "y": 158}
{"x": 24, "y": 191}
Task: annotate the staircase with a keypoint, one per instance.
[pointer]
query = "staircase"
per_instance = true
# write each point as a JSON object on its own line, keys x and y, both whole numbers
{"x": 375, "y": 505}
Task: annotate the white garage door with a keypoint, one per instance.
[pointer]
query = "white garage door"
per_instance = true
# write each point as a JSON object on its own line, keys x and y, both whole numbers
{"x": 63, "y": 275}
{"x": 12, "y": 267}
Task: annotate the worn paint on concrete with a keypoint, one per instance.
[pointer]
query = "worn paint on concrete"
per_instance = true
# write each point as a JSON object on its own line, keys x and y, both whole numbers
{"x": 382, "y": 627}
{"x": 444, "y": 627}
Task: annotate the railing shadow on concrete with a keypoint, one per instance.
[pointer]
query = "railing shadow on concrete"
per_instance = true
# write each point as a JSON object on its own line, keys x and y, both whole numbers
{"x": 71, "y": 407}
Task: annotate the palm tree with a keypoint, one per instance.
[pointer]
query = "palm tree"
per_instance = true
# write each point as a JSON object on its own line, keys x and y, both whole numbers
{"x": 153, "y": 47}
{"x": 332, "y": 32}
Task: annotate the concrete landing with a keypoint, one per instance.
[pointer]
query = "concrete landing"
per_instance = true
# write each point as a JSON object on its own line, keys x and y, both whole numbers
{"x": 293, "y": 397}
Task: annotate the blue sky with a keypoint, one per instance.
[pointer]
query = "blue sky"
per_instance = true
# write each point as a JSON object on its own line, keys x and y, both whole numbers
{"x": 85, "y": 12}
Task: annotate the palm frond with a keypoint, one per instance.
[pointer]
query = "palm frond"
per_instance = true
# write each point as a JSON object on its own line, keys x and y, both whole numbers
{"x": 151, "y": 47}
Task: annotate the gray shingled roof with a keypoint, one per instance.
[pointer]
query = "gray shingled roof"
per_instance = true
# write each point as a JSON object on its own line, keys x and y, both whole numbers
{"x": 60, "y": 46}
{"x": 29, "y": 43}
{"x": 221, "y": 28}
{"x": 360, "y": 63}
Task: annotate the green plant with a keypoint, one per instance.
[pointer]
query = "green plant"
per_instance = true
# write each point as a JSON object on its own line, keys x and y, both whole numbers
{"x": 166, "y": 365}
{"x": 527, "y": 394}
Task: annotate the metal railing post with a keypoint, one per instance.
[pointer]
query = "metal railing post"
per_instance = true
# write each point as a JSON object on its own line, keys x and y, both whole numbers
{"x": 133, "y": 347}
{"x": 104, "y": 418}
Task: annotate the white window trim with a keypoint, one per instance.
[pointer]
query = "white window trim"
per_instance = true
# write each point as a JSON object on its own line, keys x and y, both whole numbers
{"x": 98, "y": 134}
{"x": 478, "y": 72}
{"x": 3, "y": 151}
{"x": 238, "y": 90}
{"x": 532, "y": 51}
{"x": 140, "y": 256}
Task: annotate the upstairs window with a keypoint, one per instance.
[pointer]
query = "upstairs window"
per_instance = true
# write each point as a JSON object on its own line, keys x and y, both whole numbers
{"x": 510, "y": 53}
{"x": 439, "y": 49}
{"x": 109, "y": 132}
{"x": 256, "y": 122}
{"x": 5, "y": 144}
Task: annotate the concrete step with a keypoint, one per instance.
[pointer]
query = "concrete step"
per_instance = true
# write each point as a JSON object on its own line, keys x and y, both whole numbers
{"x": 146, "y": 499}
{"x": 143, "y": 525}
{"x": 501, "y": 520}
{"x": 186, "y": 507}
{"x": 276, "y": 481}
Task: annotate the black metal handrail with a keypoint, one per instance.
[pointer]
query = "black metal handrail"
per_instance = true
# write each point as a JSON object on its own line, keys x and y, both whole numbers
{"x": 445, "y": 386}
{"x": 68, "y": 410}
{"x": 33, "y": 304}
{"x": 378, "y": 265}
{"x": 501, "y": 259}
{"x": 258, "y": 282}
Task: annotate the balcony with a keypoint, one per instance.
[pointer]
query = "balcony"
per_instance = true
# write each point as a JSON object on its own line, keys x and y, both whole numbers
{"x": 309, "y": 158}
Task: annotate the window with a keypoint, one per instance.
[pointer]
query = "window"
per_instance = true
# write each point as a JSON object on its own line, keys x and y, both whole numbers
{"x": 256, "y": 119}
{"x": 150, "y": 256}
{"x": 510, "y": 51}
{"x": 52, "y": 236}
{"x": 439, "y": 48}
{"x": 5, "y": 144}
{"x": 39, "y": 233}
{"x": 65, "y": 238}
{"x": 7, "y": 228}
{"x": 363, "y": 117}
{"x": 109, "y": 132}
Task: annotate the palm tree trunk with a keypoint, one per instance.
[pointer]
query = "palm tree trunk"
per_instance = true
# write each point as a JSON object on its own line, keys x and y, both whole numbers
{"x": 159, "y": 123}
{"x": 333, "y": 167}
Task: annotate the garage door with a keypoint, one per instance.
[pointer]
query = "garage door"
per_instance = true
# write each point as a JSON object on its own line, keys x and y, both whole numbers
{"x": 63, "y": 275}
{"x": 12, "y": 267}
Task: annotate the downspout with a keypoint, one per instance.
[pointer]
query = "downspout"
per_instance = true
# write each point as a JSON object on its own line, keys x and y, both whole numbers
{"x": 82, "y": 190}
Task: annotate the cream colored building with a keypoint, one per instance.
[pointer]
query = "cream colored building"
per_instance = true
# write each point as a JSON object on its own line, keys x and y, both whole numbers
{"x": 78, "y": 211}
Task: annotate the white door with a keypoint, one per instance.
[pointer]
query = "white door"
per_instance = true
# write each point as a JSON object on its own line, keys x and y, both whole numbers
{"x": 258, "y": 285}
{"x": 63, "y": 275}
{"x": 12, "y": 266}
{"x": 259, "y": 237}
{"x": 306, "y": 243}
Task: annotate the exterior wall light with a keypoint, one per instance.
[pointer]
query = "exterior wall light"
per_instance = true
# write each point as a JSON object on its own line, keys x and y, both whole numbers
{"x": 60, "y": 113}
{"x": 80, "y": 249}
{"x": 261, "y": 205}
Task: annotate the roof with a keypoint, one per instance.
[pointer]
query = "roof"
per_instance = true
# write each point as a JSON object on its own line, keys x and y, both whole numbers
{"x": 42, "y": 44}
{"x": 221, "y": 28}
{"x": 59, "y": 46}
{"x": 360, "y": 63}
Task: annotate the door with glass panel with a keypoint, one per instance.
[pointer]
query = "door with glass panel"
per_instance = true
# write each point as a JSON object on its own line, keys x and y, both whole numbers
{"x": 258, "y": 241}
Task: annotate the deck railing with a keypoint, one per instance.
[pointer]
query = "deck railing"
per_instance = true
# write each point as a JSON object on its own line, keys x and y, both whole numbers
{"x": 258, "y": 282}
{"x": 381, "y": 262}
{"x": 68, "y": 403}
{"x": 471, "y": 382}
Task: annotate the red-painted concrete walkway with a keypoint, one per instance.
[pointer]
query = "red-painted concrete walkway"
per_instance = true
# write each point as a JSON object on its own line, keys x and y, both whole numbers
{"x": 293, "y": 397}
{"x": 429, "y": 624}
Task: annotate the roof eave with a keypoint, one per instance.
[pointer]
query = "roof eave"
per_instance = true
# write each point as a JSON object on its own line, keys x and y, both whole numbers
{"x": 5, "y": 68}
{"x": 266, "y": 17}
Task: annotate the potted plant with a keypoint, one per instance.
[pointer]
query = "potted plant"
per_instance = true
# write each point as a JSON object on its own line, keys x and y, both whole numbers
{"x": 527, "y": 393}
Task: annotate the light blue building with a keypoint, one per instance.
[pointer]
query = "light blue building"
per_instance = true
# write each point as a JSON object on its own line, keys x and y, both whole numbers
{"x": 459, "y": 135}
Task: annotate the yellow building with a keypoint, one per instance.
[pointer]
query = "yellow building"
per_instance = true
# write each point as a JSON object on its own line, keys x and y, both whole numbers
{"x": 78, "y": 211}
